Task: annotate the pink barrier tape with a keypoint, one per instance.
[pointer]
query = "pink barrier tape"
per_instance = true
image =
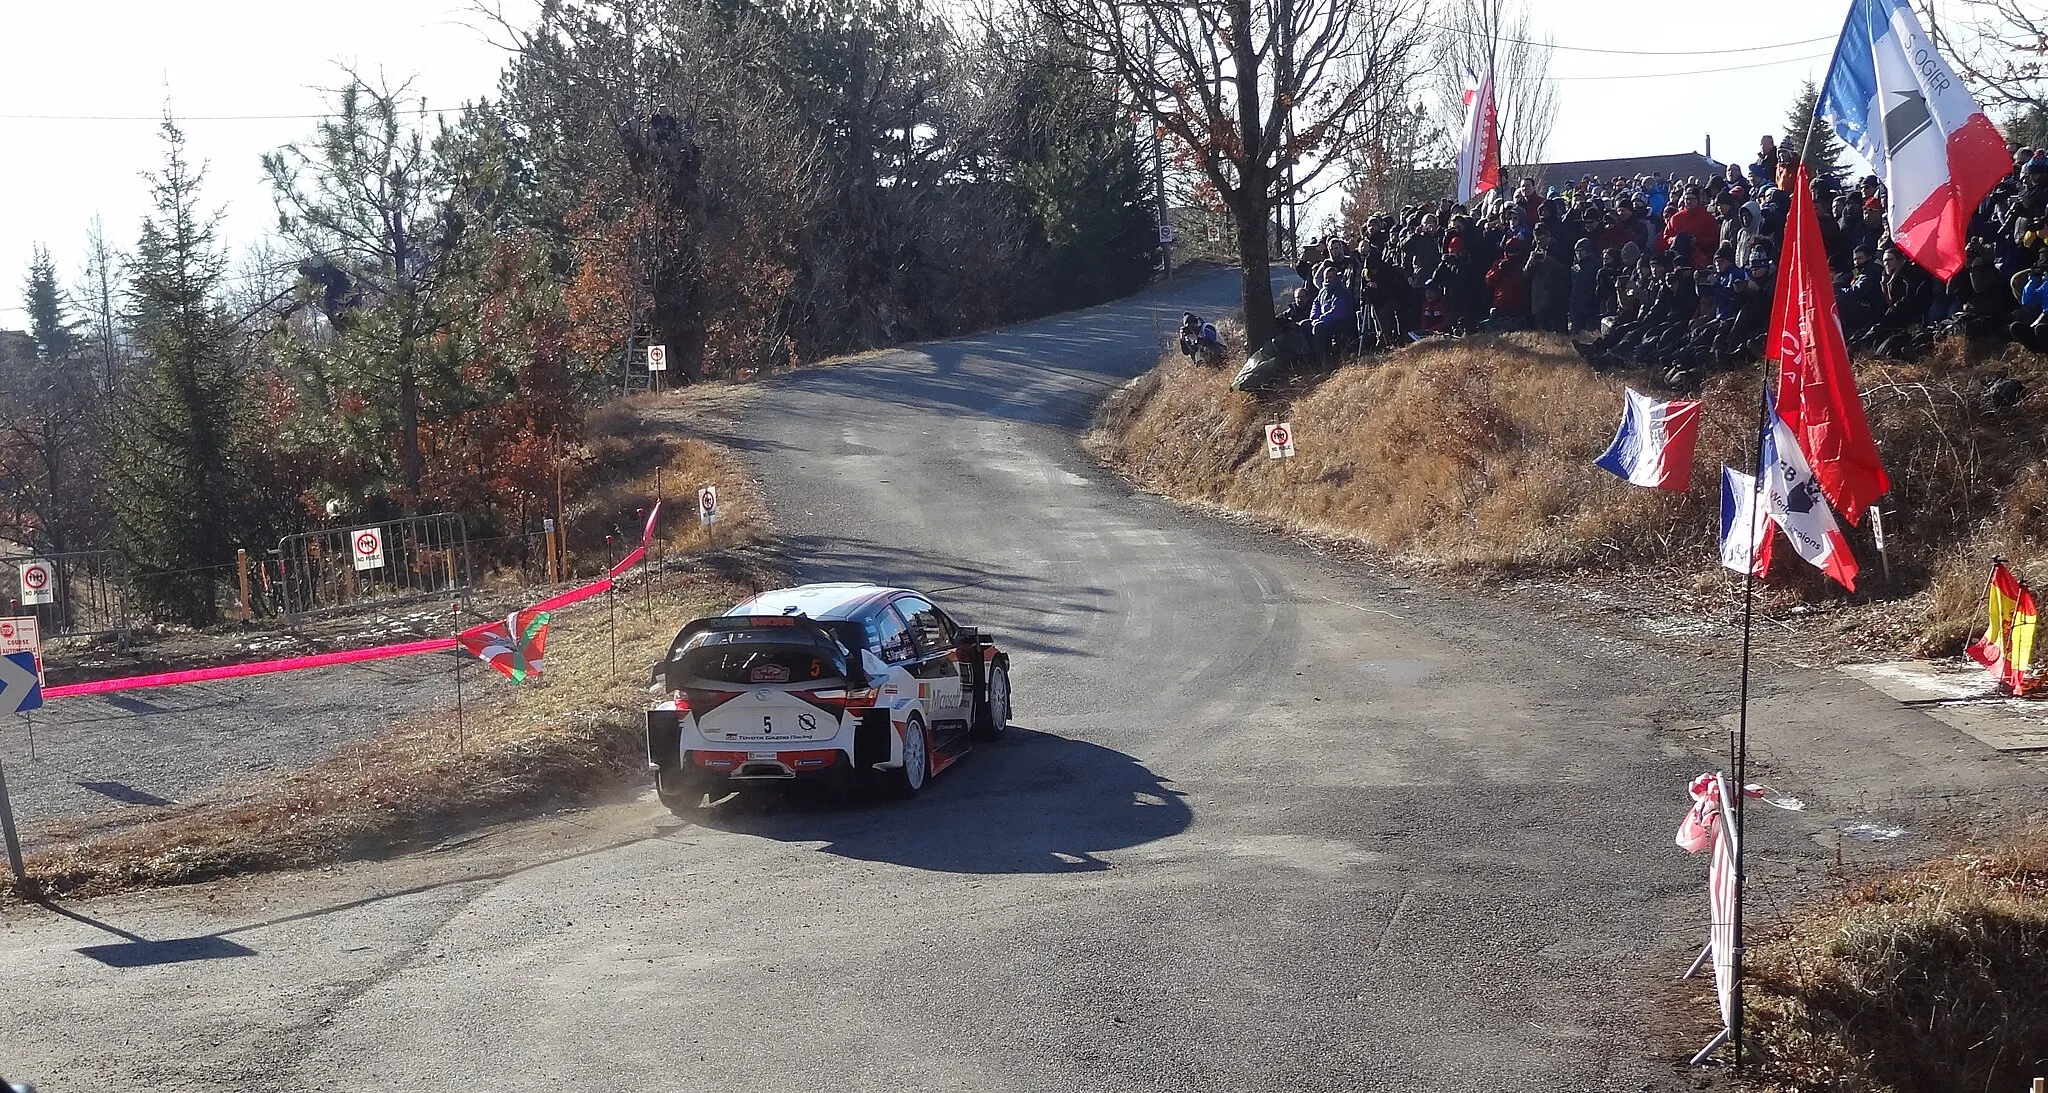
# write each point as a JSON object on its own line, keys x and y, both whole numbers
{"x": 348, "y": 656}
{"x": 575, "y": 595}
{"x": 236, "y": 671}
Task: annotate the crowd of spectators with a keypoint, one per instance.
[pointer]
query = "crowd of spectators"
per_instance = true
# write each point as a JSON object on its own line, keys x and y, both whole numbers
{"x": 1669, "y": 273}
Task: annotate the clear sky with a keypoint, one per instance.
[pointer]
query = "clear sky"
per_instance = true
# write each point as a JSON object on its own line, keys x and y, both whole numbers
{"x": 237, "y": 58}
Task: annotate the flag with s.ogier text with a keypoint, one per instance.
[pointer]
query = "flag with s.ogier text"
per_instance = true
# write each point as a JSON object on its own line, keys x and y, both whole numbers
{"x": 1892, "y": 96}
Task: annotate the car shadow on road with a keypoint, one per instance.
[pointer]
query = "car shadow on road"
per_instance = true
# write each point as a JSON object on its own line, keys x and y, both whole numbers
{"x": 1031, "y": 802}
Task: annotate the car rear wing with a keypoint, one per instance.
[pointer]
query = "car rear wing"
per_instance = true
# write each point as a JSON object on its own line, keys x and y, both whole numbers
{"x": 835, "y": 634}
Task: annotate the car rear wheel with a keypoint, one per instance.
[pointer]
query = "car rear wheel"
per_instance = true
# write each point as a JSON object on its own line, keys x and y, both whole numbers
{"x": 992, "y": 711}
{"x": 917, "y": 760}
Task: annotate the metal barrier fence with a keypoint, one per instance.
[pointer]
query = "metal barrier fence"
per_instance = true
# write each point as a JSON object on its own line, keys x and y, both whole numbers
{"x": 411, "y": 558}
{"x": 86, "y": 588}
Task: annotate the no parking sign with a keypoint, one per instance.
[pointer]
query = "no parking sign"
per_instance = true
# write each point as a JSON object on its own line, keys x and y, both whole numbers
{"x": 38, "y": 585}
{"x": 1280, "y": 440}
{"x": 707, "y": 506}
{"x": 366, "y": 546}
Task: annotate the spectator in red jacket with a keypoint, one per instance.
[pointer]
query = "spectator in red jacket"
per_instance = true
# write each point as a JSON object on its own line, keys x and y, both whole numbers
{"x": 1693, "y": 219}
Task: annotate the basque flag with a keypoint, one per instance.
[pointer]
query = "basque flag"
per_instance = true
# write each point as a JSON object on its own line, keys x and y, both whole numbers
{"x": 1655, "y": 443}
{"x": 1891, "y": 95}
{"x": 1817, "y": 395}
{"x": 516, "y": 647}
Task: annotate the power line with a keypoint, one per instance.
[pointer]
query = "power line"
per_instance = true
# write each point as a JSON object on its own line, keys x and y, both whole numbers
{"x": 1692, "y": 71}
{"x": 1630, "y": 52}
{"x": 180, "y": 119}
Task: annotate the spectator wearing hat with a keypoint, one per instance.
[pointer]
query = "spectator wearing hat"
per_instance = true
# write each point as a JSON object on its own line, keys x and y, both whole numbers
{"x": 1860, "y": 299}
{"x": 1740, "y": 223}
{"x": 1763, "y": 171}
{"x": 1332, "y": 317}
{"x": 1550, "y": 290}
{"x": 1585, "y": 291}
{"x": 1507, "y": 286}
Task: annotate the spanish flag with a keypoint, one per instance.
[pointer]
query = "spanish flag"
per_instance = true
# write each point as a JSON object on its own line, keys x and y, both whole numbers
{"x": 2007, "y": 647}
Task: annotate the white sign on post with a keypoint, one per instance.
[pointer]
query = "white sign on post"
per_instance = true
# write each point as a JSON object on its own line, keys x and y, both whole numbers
{"x": 1215, "y": 234}
{"x": 1280, "y": 441}
{"x": 657, "y": 358}
{"x": 367, "y": 548}
{"x": 22, "y": 635}
{"x": 38, "y": 582}
{"x": 707, "y": 506}
{"x": 1166, "y": 233}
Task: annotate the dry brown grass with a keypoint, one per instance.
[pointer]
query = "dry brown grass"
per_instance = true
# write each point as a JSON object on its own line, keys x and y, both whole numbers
{"x": 1935, "y": 979}
{"x": 571, "y": 735}
{"x": 1476, "y": 455}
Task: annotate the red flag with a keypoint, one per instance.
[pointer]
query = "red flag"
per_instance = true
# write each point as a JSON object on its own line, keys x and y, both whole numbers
{"x": 1817, "y": 393}
{"x": 1479, "y": 154}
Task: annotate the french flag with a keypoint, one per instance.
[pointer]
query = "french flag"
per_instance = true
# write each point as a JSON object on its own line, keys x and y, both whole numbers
{"x": 1655, "y": 443}
{"x": 1891, "y": 95}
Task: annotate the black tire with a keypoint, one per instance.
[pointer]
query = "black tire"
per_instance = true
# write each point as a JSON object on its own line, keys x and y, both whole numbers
{"x": 992, "y": 706}
{"x": 905, "y": 781}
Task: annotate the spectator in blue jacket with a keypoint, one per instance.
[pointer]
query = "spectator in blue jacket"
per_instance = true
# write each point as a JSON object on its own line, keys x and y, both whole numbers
{"x": 1331, "y": 320}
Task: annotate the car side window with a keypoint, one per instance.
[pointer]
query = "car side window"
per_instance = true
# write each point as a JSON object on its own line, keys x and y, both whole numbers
{"x": 933, "y": 632}
{"x": 888, "y": 636}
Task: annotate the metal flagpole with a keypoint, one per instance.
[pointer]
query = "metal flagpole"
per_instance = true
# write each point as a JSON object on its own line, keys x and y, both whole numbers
{"x": 1763, "y": 422}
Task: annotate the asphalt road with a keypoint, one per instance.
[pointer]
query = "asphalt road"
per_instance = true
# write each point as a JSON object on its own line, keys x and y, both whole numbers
{"x": 1269, "y": 822}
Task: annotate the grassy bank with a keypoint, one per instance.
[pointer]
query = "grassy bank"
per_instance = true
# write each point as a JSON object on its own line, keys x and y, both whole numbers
{"x": 1931, "y": 980}
{"x": 571, "y": 736}
{"x": 1474, "y": 456}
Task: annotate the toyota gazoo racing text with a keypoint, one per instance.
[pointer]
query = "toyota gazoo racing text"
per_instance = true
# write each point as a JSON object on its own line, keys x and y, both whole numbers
{"x": 849, "y": 684}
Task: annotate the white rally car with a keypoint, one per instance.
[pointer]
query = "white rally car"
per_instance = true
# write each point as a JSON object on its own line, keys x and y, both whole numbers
{"x": 848, "y": 684}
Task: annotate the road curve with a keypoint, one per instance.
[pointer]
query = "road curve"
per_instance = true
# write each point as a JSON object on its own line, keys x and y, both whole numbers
{"x": 1268, "y": 824}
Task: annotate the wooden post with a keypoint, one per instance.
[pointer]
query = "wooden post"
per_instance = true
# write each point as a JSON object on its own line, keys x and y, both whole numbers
{"x": 242, "y": 575}
{"x": 561, "y": 532}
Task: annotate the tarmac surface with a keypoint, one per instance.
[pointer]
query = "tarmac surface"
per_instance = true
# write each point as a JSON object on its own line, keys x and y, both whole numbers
{"x": 1266, "y": 821}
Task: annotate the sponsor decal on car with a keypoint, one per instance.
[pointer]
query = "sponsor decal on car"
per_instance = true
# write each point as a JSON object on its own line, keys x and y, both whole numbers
{"x": 769, "y": 673}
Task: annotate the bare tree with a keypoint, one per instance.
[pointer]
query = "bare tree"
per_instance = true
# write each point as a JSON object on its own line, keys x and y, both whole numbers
{"x": 1266, "y": 95}
{"x": 1478, "y": 35}
{"x": 2001, "y": 49}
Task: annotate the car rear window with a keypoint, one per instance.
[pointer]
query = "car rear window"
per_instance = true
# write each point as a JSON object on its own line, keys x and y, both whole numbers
{"x": 755, "y": 658}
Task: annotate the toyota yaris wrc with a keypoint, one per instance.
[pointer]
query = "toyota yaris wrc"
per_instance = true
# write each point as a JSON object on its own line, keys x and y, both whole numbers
{"x": 848, "y": 684}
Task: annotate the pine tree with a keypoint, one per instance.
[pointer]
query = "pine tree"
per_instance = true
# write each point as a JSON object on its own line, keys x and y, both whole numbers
{"x": 176, "y": 490}
{"x": 1080, "y": 182}
{"x": 49, "y": 324}
{"x": 1824, "y": 155}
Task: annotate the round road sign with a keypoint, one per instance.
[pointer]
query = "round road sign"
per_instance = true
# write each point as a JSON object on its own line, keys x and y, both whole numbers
{"x": 367, "y": 544}
{"x": 35, "y": 578}
{"x": 1277, "y": 436}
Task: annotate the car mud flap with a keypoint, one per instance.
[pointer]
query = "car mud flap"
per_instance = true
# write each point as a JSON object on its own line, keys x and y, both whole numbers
{"x": 871, "y": 740}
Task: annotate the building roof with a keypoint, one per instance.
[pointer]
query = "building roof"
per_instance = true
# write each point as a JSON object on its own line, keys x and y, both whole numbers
{"x": 1681, "y": 166}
